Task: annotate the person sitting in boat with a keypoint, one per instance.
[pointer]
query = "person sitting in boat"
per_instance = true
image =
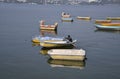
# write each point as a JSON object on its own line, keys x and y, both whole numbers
{"x": 42, "y": 22}
{"x": 68, "y": 38}
{"x": 65, "y": 15}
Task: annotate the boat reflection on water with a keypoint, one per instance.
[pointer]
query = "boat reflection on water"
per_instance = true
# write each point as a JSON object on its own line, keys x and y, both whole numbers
{"x": 47, "y": 32}
{"x": 109, "y": 31}
{"x": 67, "y": 63}
{"x": 45, "y": 50}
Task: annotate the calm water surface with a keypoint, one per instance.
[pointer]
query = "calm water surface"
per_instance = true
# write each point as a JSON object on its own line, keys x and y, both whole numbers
{"x": 20, "y": 59}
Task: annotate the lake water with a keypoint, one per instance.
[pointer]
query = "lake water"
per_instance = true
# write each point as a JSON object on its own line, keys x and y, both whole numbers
{"x": 20, "y": 59}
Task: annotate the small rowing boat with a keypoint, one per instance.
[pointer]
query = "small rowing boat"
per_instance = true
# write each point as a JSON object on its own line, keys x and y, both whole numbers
{"x": 83, "y": 18}
{"x": 67, "y": 54}
{"x": 108, "y": 26}
{"x": 56, "y": 43}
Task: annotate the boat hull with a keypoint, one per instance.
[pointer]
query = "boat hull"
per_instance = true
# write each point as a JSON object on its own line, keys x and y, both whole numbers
{"x": 48, "y": 28}
{"x": 57, "y": 43}
{"x": 35, "y": 40}
{"x": 67, "y": 19}
{"x": 51, "y": 45}
{"x": 83, "y": 18}
{"x": 66, "y": 57}
{"x": 67, "y": 54}
{"x": 102, "y": 21}
{"x": 107, "y": 27}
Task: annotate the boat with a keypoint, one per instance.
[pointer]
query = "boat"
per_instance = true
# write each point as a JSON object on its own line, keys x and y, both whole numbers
{"x": 113, "y": 18}
{"x": 67, "y": 63}
{"x": 103, "y": 21}
{"x": 65, "y": 15}
{"x": 67, "y": 19}
{"x": 45, "y": 50}
{"x": 38, "y": 39}
{"x": 67, "y": 54}
{"x": 48, "y": 27}
{"x": 84, "y": 18}
{"x": 56, "y": 43}
{"x": 108, "y": 26}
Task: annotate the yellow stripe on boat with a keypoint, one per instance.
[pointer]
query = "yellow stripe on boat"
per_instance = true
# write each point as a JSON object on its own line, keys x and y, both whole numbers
{"x": 110, "y": 24}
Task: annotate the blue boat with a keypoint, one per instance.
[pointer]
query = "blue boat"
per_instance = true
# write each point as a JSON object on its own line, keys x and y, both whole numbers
{"x": 67, "y": 19}
{"x": 105, "y": 27}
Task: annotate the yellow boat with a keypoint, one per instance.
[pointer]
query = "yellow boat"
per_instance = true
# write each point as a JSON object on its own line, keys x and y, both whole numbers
{"x": 103, "y": 21}
{"x": 113, "y": 18}
{"x": 57, "y": 43}
{"x": 67, "y": 63}
{"x": 110, "y": 24}
{"x": 83, "y": 18}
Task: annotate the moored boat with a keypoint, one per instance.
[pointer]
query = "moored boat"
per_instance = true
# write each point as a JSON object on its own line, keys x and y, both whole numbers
{"x": 67, "y": 54}
{"x": 103, "y": 21}
{"x": 48, "y": 27}
{"x": 57, "y": 43}
{"x": 113, "y": 18}
{"x": 108, "y": 26}
{"x": 84, "y": 18}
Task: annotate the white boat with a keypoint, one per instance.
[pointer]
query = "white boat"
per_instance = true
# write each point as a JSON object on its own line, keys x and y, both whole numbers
{"x": 67, "y": 54}
{"x": 57, "y": 43}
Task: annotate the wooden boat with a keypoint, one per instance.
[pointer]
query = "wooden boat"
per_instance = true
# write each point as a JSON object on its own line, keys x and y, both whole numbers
{"x": 67, "y": 19}
{"x": 67, "y": 63}
{"x": 103, "y": 21}
{"x": 83, "y": 18}
{"x": 56, "y": 43}
{"x": 48, "y": 27}
{"x": 39, "y": 38}
{"x": 108, "y": 26}
{"x": 113, "y": 18}
{"x": 65, "y": 15}
{"x": 67, "y": 54}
